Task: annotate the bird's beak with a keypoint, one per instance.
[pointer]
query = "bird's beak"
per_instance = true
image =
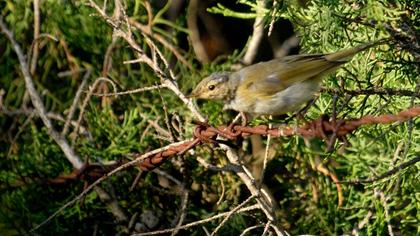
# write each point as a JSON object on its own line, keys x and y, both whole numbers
{"x": 192, "y": 95}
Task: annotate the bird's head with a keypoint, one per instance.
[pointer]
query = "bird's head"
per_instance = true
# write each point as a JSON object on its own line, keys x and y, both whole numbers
{"x": 213, "y": 87}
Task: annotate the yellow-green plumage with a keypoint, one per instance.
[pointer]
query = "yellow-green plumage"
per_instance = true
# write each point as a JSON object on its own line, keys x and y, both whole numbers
{"x": 273, "y": 87}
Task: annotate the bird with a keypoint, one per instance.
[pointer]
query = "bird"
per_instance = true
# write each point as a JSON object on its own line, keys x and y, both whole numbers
{"x": 274, "y": 87}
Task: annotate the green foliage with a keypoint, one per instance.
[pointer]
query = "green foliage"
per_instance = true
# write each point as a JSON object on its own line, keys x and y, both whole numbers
{"x": 300, "y": 175}
{"x": 220, "y": 9}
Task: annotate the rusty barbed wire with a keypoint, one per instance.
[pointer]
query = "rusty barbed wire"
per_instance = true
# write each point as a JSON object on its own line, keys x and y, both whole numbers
{"x": 88, "y": 173}
{"x": 320, "y": 128}
{"x": 204, "y": 133}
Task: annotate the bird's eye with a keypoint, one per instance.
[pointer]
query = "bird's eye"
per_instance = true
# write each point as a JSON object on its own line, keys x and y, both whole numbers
{"x": 211, "y": 87}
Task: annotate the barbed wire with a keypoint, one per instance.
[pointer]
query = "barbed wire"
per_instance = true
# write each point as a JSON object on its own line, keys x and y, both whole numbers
{"x": 204, "y": 133}
{"x": 320, "y": 128}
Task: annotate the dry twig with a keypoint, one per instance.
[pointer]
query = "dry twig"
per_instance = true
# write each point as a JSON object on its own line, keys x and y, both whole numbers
{"x": 37, "y": 102}
{"x": 257, "y": 34}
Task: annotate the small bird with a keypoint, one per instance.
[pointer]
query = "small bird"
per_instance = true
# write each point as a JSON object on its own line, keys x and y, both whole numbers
{"x": 273, "y": 87}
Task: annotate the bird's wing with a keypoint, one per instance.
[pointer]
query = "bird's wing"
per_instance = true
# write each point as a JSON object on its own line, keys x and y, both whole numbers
{"x": 268, "y": 78}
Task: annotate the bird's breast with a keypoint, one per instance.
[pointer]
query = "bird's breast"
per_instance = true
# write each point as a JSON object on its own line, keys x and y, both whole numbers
{"x": 287, "y": 100}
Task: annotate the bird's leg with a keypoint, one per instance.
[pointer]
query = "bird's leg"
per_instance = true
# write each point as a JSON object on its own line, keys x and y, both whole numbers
{"x": 300, "y": 117}
{"x": 240, "y": 115}
{"x": 301, "y": 113}
{"x": 244, "y": 118}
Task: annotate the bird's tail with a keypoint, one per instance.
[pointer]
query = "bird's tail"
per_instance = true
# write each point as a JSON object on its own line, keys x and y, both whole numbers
{"x": 347, "y": 54}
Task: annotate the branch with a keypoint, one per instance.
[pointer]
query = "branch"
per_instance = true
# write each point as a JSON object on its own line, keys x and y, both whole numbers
{"x": 37, "y": 102}
{"x": 196, "y": 43}
{"x": 75, "y": 101}
{"x": 373, "y": 91}
{"x": 136, "y": 161}
{"x": 35, "y": 52}
{"x": 167, "y": 81}
{"x": 257, "y": 34}
{"x": 41, "y": 111}
{"x": 263, "y": 199}
{"x": 384, "y": 175}
{"x": 165, "y": 231}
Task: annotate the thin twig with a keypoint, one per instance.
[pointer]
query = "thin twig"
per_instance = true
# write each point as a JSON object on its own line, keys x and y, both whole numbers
{"x": 251, "y": 228}
{"x": 227, "y": 168}
{"x": 355, "y": 231}
{"x": 138, "y": 90}
{"x": 384, "y": 175}
{"x": 85, "y": 103}
{"x": 373, "y": 91}
{"x": 154, "y": 123}
{"x": 165, "y": 231}
{"x": 286, "y": 47}
{"x": 107, "y": 64}
{"x": 169, "y": 82}
{"x": 20, "y": 131}
{"x": 37, "y": 102}
{"x": 231, "y": 213}
{"x": 146, "y": 30}
{"x": 31, "y": 112}
{"x": 100, "y": 180}
{"x": 222, "y": 185}
{"x": 168, "y": 176}
{"x": 37, "y": 26}
{"x": 379, "y": 194}
{"x": 166, "y": 118}
{"x": 249, "y": 181}
{"x": 182, "y": 211}
{"x": 112, "y": 204}
{"x": 267, "y": 226}
{"x": 75, "y": 101}
{"x": 41, "y": 111}
{"x": 267, "y": 150}
{"x": 273, "y": 17}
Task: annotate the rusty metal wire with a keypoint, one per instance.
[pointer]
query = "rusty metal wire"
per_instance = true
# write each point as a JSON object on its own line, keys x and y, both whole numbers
{"x": 321, "y": 128}
{"x": 88, "y": 173}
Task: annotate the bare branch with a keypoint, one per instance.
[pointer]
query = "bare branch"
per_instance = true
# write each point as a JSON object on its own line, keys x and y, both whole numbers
{"x": 230, "y": 214}
{"x": 264, "y": 201}
{"x": 37, "y": 102}
{"x": 136, "y": 161}
{"x": 379, "y": 194}
{"x": 257, "y": 34}
{"x": 384, "y": 175}
{"x": 192, "y": 23}
{"x": 373, "y": 91}
{"x": 138, "y": 90}
{"x": 165, "y": 231}
{"x": 37, "y": 26}
{"x": 75, "y": 101}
